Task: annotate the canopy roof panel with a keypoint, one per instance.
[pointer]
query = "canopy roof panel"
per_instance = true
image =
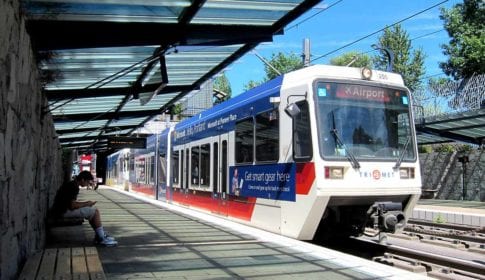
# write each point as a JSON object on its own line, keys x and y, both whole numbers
{"x": 111, "y": 66}
{"x": 468, "y": 127}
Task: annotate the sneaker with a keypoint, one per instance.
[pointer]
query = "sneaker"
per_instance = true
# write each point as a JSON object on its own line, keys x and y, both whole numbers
{"x": 108, "y": 243}
{"x": 109, "y": 237}
{"x": 98, "y": 240}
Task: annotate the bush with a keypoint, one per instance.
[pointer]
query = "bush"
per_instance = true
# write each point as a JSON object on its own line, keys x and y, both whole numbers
{"x": 425, "y": 149}
{"x": 464, "y": 148}
{"x": 444, "y": 148}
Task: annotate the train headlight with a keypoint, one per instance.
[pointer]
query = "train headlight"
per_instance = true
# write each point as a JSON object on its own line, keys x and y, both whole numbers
{"x": 333, "y": 172}
{"x": 366, "y": 73}
{"x": 406, "y": 173}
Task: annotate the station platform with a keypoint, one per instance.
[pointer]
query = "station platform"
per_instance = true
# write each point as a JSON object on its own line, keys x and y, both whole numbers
{"x": 158, "y": 240}
{"x": 466, "y": 213}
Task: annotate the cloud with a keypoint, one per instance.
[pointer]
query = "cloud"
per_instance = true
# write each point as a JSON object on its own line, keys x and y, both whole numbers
{"x": 321, "y": 6}
{"x": 424, "y": 27}
{"x": 429, "y": 15}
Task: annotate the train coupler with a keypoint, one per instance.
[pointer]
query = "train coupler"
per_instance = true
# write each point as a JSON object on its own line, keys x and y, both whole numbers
{"x": 387, "y": 216}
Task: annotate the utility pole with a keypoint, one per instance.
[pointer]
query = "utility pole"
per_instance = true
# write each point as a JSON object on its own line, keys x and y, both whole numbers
{"x": 306, "y": 52}
{"x": 464, "y": 160}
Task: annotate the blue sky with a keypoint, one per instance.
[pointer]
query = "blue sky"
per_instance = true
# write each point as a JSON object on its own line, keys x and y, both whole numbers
{"x": 346, "y": 22}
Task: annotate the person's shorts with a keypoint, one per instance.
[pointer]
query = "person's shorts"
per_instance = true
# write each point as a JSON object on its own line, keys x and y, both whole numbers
{"x": 83, "y": 212}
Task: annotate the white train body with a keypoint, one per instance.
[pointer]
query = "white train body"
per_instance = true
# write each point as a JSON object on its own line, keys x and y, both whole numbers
{"x": 319, "y": 151}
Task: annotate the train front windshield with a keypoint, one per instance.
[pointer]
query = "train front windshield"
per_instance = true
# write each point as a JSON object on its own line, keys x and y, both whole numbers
{"x": 364, "y": 122}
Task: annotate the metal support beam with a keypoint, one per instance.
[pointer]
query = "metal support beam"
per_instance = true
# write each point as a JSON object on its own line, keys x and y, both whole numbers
{"x": 46, "y": 34}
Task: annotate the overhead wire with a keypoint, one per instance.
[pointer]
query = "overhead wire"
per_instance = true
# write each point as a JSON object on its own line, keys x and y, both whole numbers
{"x": 380, "y": 30}
{"x": 312, "y": 16}
{"x": 427, "y": 34}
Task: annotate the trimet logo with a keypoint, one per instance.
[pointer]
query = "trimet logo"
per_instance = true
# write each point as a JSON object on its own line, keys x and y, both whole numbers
{"x": 376, "y": 174}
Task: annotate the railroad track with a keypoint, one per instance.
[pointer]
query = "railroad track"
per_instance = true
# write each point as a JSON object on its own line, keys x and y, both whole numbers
{"x": 455, "y": 236}
{"x": 441, "y": 252}
{"x": 433, "y": 264}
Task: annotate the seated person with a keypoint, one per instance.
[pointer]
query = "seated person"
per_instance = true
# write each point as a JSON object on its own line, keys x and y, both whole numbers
{"x": 66, "y": 205}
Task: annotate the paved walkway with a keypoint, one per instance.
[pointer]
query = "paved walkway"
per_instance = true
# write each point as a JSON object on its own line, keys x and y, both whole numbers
{"x": 157, "y": 243}
{"x": 466, "y": 213}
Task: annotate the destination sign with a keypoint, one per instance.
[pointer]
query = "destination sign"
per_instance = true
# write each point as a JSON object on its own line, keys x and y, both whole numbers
{"x": 127, "y": 142}
{"x": 334, "y": 91}
{"x": 362, "y": 92}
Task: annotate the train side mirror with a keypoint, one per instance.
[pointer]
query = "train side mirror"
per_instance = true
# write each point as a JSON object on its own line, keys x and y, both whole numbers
{"x": 292, "y": 110}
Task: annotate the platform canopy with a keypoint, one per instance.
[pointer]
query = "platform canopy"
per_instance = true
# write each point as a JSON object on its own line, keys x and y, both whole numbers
{"x": 466, "y": 127}
{"x": 111, "y": 66}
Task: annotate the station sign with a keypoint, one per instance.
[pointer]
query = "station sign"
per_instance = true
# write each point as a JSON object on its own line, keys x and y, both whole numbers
{"x": 127, "y": 142}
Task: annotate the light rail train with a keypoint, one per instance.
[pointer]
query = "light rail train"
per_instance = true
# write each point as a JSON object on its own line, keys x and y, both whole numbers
{"x": 320, "y": 151}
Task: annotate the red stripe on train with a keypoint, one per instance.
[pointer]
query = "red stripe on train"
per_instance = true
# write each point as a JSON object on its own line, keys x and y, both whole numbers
{"x": 236, "y": 207}
{"x": 143, "y": 188}
{"x": 305, "y": 176}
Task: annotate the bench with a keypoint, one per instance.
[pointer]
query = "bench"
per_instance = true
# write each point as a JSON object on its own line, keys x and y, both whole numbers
{"x": 64, "y": 263}
{"x": 64, "y": 222}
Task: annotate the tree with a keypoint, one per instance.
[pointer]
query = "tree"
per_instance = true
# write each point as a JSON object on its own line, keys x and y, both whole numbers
{"x": 411, "y": 67}
{"x": 281, "y": 62}
{"x": 176, "y": 110}
{"x": 465, "y": 23}
{"x": 221, "y": 83}
{"x": 252, "y": 84}
{"x": 361, "y": 60}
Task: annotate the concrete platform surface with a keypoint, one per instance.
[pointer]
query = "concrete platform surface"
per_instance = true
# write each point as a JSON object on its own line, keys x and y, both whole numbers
{"x": 467, "y": 213}
{"x": 163, "y": 241}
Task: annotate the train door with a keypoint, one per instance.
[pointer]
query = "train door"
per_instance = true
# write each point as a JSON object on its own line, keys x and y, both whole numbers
{"x": 175, "y": 171}
{"x": 163, "y": 165}
{"x": 222, "y": 193}
{"x": 186, "y": 183}
{"x": 182, "y": 169}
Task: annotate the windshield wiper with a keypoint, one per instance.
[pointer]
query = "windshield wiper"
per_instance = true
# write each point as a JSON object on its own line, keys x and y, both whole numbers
{"x": 350, "y": 156}
{"x": 401, "y": 157}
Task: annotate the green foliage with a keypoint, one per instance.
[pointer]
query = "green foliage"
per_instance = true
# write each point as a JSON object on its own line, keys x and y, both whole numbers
{"x": 464, "y": 148}
{"x": 409, "y": 65}
{"x": 222, "y": 83}
{"x": 361, "y": 60}
{"x": 252, "y": 84}
{"x": 176, "y": 109}
{"x": 465, "y": 23}
{"x": 425, "y": 149}
{"x": 282, "y": 62}
{"x": 444, "y": 148}
{"x": 439, "y": 219}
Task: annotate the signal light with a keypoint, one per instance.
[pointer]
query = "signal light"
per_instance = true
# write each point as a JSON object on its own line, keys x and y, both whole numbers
{"x": 334, "y": 172}
{"x": 406, "y": 172}
{"x": 366, "y": 73}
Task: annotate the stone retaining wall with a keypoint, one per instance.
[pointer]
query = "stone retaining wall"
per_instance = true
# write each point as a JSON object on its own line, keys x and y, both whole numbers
{"x": 30, "y": 161}
{"x": 442, "y": 175}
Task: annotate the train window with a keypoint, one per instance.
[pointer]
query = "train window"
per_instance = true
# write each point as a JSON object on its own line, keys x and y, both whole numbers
{"x": 215, "y": 167}
{"x": 131, "y": 162}
{"x": 140, "y": 169}
{"x": 267, "y": 136}
{"x": 204, "y": 169}
{"x": 175, "y": 168}
{"x": 302, "y": 137}
{"x": 186, "y": 169}
{"x": 194, "y": 166}
{"x": 181, "y": 170}
{"x": 162, "y": 169}
{"x": 224, "y": 166}
{"x": 151, "y": 170}
{"x": 244, "y": 141}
